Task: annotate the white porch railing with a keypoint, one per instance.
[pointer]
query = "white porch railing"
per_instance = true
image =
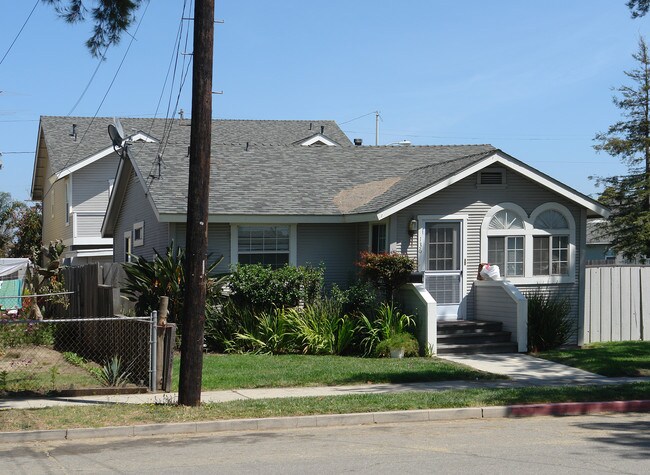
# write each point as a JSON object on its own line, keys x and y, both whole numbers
{"x": 501, "y": 301}
{"x": 415, "y": 300}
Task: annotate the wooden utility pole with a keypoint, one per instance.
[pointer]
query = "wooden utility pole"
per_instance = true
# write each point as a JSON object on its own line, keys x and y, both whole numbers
{"x": 189, "y": 393}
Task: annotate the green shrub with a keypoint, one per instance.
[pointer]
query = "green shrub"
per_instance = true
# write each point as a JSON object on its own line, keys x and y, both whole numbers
{"x": 269, "y": 334}
{"x": 147, "y": 281}
{"x": 264, "y": 288}
{"x": 548, "y": 322}
{"x": 402, "y": 340}
{"x": 385, "y": 323}
{"x": 20, "y": 334}
{"x": 359, "y": 298}
{"x": 386, "y": 272}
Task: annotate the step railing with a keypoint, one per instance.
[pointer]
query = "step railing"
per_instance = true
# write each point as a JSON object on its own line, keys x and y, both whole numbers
{"x": 501, "y": 301}
{"x": 415, "y": 300}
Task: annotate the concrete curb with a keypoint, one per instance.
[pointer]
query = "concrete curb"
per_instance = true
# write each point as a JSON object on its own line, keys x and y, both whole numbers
{"x": 329, "y": 420}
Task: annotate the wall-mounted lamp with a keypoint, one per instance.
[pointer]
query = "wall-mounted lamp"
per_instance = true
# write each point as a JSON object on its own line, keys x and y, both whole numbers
{"x": 413, "y": 226}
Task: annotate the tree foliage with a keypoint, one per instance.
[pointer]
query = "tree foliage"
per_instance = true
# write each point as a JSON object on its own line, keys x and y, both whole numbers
{"x": 638, "y": 8}
{"x": 628, "y": 139}
{"x": 111, "y": 18}
{"x": 20, "y": 227}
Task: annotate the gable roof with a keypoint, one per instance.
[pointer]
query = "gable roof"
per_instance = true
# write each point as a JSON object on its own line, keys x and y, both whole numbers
{"x": 64, "y": 150}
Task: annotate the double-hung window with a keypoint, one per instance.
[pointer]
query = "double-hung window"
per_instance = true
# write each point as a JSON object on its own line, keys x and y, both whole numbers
{"x": 266, "y": 245}
{"x": 378, "y": 238}
{"x": 551, "y": 250}
{"x": 506, "y": 242}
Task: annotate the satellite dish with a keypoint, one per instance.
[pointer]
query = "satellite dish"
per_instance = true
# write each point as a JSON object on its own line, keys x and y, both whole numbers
{"x": 118, "y": 126}
{"x": 115, "y": 136}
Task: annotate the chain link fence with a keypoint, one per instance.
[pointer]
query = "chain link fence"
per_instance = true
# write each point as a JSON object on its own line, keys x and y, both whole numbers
{"x": 68, "y": 354}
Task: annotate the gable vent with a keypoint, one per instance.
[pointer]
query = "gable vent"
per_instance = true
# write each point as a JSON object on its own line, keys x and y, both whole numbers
{"x": 492, "y": 177}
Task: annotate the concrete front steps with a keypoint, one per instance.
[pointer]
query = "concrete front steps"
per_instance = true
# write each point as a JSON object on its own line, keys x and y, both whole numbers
{"x": 473, "y": 336}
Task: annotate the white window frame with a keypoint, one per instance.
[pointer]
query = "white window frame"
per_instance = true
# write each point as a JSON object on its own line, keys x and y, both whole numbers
{"x": 293, "y": 240}
{"x": 128, "y": 243}
{"x": 139, "y": 226}
{"x": 529, "y": 232}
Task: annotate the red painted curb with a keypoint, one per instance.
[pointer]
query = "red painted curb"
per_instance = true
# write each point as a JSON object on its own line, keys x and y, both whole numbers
{"x": 577, "y": 408}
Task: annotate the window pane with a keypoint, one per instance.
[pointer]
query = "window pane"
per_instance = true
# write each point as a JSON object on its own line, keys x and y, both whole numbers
{"x": 506, "y": 219}
{"x": 551, "y": 219}
{"x": 541, "y": 256}
{"x": 515, "y": 256}
{"x": 496, "y": 251}
{"x": 378, "y": 238}
{"x": 267, "y": 245}
{"x": 560, "y": 255}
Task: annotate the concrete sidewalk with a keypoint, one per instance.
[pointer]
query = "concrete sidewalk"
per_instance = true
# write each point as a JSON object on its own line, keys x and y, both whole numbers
{"x": 523, "y": 370}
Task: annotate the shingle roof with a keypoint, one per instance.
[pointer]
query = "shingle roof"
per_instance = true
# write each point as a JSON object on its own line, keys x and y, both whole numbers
{"x": 298, "y": 180}
{"x": 92, "y": 136}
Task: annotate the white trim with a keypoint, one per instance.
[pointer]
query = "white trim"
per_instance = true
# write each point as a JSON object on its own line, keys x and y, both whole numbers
{"x": 423, "y": 220}
{"x": 293, "y": 241}
{"x": 91, "y": 253}
{"x": 138, "y": 226}
{"x": 68, "y": 200}
{"x": 140, "y": 136}
{"x": 509, "y": 162}
{"x": 128, "y": 250}
{"x": 88, "y": 241}
{"x": 528, "y": 233}
{"x": 273, "y": 219}
{"x": 319, "y": 138}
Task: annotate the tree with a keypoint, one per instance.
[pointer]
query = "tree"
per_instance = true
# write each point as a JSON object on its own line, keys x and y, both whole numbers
{"x": 20, "y": 227}
{"x": 111, "y": 18}
{"x": 5, "y": 230}
{"x": 628, "y": 196}
{"x": 638, "y": 7}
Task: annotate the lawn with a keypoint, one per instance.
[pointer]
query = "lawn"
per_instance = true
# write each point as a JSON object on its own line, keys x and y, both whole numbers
{"x": 133, "y": 414}
{"x": 256, "y": 371}
{"x": 624, "y": 358}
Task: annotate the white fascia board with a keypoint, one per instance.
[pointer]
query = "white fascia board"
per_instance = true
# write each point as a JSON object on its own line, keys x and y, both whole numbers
{"x": 273, "y": 219}
{"x": 36, "y": 161}
{"x": 318, "y": 138}
{"x": 510, "y": 163}
{"x": 94, "y": 252}
{"x": 99, "y": 155}
{"x": 92, "y": 241}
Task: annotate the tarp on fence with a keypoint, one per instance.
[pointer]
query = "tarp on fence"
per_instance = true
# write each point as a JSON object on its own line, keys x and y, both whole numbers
{"x": 13, "y": 268}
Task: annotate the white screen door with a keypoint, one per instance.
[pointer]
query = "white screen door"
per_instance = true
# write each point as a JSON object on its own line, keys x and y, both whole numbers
{"x": 443, "y": 273}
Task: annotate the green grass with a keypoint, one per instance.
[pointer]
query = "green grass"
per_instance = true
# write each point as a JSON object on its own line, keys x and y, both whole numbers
{"x": 625, "y": 358}
{"x": 256, "y": 371}
{"x": 127, "y": 414}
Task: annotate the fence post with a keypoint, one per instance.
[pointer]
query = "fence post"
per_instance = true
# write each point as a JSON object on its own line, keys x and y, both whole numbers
{"x": 162, "y": 324}
{"x": 153, "y": 341}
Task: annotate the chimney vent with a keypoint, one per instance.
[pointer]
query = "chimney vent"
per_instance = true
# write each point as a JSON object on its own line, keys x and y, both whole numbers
{"x": 73, "y": 134}
{"x": 358, "y": 142}
{"x": 322, "y": 129}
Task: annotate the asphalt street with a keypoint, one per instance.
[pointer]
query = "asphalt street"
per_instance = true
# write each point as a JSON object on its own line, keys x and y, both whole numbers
{"x": 584, "y": 444}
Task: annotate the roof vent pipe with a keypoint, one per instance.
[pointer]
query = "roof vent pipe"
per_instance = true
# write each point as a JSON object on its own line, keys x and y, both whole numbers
{"x": 73, "y": 134}
{"x": 358, "y": 142}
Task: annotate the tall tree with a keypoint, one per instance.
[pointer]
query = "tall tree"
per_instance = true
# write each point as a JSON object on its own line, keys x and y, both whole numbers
{"x": 6, "y": 204}
{"x": 629, "y": 140}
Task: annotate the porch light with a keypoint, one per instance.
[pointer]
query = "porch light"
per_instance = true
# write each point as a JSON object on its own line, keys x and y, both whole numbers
{"x": 413, "y": 226}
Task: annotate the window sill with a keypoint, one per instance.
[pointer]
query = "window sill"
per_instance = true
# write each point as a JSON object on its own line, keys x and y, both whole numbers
{"x": 542, "y": 280}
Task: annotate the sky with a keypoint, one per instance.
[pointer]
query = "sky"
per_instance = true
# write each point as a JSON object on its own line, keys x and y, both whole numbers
{"x": 533, "y": 78}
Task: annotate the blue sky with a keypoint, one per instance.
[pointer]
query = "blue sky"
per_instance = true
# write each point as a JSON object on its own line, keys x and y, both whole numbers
{"x": 532, "y": 78}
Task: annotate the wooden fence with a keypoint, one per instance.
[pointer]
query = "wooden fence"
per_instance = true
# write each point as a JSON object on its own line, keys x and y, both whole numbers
{"x": 96, "y": 291}
{"x": 617, "y": 303}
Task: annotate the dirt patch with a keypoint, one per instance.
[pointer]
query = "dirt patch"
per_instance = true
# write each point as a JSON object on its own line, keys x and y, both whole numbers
{"x": 36, "y": 358}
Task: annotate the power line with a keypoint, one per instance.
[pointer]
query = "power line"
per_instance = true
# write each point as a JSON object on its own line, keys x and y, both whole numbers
{"x": 19, "y": 32}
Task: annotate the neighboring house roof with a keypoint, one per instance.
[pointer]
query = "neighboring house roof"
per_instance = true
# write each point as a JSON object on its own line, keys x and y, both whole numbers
{"x": 66, "y": 148}
{"x": 326, "y": 184}
{"x": 596, "y": 234}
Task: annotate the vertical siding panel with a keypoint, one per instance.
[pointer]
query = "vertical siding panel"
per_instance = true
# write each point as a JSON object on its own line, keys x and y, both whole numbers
{"x": 586, "y": 330}
{"x": 596, "y": 309}
{"x": 628, "y": 306}
{"x": 606, "y": 305}
{"x": 641, "y": 324}
{"x": 617, "y": 297}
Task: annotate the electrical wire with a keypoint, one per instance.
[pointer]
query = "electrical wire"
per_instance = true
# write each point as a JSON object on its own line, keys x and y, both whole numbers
{"x": 19, "y": 32}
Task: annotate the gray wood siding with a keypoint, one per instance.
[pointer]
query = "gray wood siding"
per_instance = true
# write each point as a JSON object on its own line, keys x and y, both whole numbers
{"x": 334, "y": 245}
{"x": 136, "y": 208}
{"x": 218, "y": 242}
{"x": 466, "y": 198}
{"x": 90, "y": 184}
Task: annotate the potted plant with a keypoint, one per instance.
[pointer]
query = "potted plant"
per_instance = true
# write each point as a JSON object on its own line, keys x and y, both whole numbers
{"x": 398, "y": 345}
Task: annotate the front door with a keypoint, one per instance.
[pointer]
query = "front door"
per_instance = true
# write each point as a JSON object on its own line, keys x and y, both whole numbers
{"x": 443, "y": 261}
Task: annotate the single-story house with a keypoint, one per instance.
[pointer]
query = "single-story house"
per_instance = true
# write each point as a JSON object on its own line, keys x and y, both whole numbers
{"x": 449, "y": 208}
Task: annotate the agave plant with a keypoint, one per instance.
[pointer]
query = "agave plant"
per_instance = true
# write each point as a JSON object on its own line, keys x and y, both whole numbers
{"x": 113, "y": 374}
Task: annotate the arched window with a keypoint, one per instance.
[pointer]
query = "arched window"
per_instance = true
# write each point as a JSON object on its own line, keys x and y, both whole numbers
{"x": 505, "y": 239}
{"x": 527, "y": 248}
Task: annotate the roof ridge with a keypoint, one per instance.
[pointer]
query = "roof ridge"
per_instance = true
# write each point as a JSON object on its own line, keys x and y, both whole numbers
{"x": 452, "y": 160}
